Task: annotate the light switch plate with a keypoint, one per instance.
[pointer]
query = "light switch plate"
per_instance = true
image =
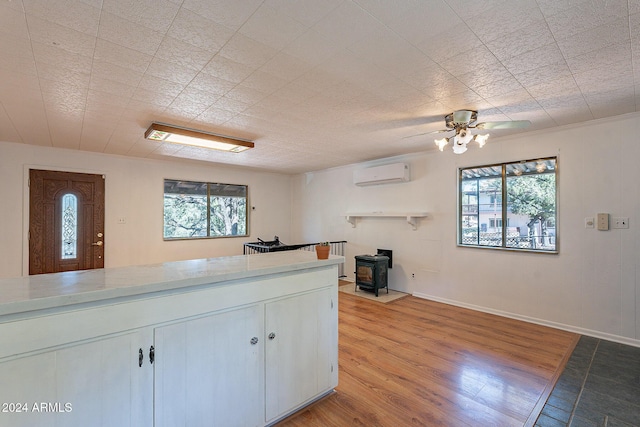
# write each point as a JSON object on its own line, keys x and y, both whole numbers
{"x": 603, "y": 221}
{"x": 620, "y": 222}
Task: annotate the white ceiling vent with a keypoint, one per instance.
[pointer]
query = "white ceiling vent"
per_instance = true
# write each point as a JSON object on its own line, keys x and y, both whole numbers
{"x": 385, "y": 174}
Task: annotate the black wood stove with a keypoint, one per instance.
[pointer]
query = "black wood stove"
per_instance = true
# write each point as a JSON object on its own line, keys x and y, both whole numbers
{"x": 371, "y": 272}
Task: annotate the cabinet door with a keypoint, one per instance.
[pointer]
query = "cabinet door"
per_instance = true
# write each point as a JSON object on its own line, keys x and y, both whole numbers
{"x": 208, "y": 371}
{"x": 97, "y": 383}
{"x": 301, "y": 350}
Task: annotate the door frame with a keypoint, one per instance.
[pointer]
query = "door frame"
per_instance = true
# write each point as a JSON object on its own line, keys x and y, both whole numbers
{"x": 25, "y": 206}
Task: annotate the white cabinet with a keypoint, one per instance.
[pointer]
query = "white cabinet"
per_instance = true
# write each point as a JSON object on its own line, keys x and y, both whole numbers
{"x": 221, "y": 369}
{"x": 214, "y": 364}
{"x": 97, "y": 383}
{"x": 301, "y": 350}
{"x": 209, "y": 370}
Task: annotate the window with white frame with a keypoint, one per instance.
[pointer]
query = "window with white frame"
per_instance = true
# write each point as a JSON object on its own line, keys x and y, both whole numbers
{"x": 529, "y": 189}
{"x": 195, "y": 210}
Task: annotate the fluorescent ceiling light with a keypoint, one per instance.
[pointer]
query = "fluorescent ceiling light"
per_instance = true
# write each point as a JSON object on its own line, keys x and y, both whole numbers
{"x": 178, "y": 135}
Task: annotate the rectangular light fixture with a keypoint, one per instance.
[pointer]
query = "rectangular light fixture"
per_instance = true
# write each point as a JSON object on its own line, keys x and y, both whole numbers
{"x": 178, "y": 135}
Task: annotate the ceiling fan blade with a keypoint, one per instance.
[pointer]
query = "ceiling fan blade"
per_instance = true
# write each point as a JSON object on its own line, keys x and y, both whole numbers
{"x": 462, "y": 116}
{"x": 503, "y": 125}
{"x": 428, "y": 133}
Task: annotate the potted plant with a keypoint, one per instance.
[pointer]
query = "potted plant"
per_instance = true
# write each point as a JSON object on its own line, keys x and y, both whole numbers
{"x": 322, "y": 250}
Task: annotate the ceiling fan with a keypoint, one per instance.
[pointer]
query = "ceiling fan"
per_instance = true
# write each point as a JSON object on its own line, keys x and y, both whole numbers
{"x": 462, "y": 122}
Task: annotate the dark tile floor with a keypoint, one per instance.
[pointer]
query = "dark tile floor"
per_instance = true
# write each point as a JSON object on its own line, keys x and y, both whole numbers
{"x": 599, "y": 387}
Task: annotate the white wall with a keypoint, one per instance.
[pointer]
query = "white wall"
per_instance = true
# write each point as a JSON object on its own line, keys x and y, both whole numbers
{"x": 592, "y": 286}
{"x": 134, "y": 191}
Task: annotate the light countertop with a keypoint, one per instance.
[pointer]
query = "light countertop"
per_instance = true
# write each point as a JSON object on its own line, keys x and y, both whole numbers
{"x": 61, "y": 289}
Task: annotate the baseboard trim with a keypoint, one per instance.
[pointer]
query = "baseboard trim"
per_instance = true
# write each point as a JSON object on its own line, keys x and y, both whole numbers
{"x": 556, "y": 325}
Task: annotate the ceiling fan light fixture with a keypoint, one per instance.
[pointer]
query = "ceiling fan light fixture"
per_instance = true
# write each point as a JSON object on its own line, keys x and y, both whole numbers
{"x": 441, "y": 143}
{"x": 464, "y": 136}
{"x": 459, "y": 147}
{"x": 161, "y": 132}
{"x": 481, "y": 139}
{"x": 463, "y": 122}
{"x": 464, "y": 116}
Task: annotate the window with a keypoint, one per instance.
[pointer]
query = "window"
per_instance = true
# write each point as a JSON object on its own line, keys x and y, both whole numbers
{"x": 529, "y": 188}
{"x": 69, "y": 226}
{"x": 202, "y": 209}
{"x": 495, "y": 222}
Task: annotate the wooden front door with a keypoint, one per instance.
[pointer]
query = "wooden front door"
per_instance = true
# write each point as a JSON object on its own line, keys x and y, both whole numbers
{"x": 66, "y": 221}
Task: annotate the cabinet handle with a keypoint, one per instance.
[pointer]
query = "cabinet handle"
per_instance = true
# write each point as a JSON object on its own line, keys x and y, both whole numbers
{"x": 152, "y": 354}
{"x": 254, "y": 340}
{"x": 272, "y": 335}
{"x": 140, "y": 358}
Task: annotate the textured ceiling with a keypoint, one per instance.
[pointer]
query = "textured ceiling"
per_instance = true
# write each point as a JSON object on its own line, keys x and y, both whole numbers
{"x": 315, "y": 83}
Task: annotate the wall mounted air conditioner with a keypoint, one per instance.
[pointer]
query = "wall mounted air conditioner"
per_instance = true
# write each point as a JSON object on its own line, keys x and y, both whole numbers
{"x": 385, "y": 174}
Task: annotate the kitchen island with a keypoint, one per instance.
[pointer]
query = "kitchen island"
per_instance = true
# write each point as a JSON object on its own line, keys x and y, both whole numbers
{"x": 243, "y": 340}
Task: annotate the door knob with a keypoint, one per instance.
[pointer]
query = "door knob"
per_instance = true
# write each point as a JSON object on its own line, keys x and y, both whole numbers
{"x": 98, "y": 243}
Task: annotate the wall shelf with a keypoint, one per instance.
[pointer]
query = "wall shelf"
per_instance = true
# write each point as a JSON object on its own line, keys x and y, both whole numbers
{"x": 411, "y": 217}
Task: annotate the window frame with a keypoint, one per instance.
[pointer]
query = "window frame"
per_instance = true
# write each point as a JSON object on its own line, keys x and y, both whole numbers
{"x": 505, "y": 207}
{"x": 208, "y": 210}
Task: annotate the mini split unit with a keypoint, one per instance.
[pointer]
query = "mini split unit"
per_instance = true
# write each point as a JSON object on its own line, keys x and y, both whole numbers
{"x": 385, "y": 174}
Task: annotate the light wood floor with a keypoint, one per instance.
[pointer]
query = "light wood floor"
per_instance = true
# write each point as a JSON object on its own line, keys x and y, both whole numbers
{"x": 415, "y": 362}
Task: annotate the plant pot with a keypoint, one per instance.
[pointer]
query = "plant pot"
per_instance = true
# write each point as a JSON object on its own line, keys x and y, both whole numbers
{"x": 322, "y": 251}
